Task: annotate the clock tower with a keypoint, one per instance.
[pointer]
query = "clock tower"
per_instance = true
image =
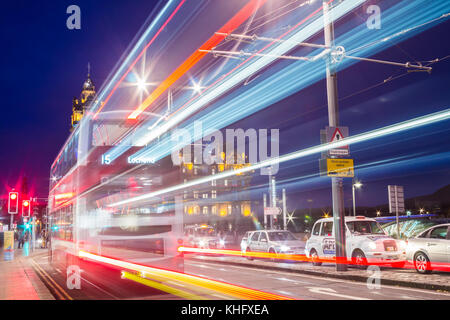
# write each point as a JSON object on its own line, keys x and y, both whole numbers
{"x": 79, "y": 106}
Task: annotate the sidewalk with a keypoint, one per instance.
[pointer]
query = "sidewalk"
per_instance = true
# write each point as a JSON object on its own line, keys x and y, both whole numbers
{"x": 18, "y": 280}
{"x": 398, "y": 277}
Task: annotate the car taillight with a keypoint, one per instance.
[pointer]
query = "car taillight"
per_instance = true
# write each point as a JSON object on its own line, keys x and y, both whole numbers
{"x": 180, "y": 241}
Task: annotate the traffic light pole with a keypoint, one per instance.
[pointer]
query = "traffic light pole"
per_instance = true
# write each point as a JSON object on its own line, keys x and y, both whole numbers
{"x": 333, "y": 119}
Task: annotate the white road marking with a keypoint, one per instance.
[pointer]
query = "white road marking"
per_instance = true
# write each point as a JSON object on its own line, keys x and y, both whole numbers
{"x": 331, "y": 292}
{"x": 294, "y": 281}
{"x": 102, "y": 290}
{"x": 284, "y": 292}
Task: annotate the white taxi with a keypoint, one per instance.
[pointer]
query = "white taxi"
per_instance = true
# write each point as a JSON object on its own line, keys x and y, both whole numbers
{"x": 366, "y": 243}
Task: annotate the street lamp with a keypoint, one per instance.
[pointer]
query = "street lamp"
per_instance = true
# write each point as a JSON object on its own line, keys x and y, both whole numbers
{"x": 355, "y": 185}
{"x": 378, "y": 213}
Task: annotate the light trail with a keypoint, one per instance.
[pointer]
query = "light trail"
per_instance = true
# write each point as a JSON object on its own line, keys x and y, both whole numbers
{"x": 363, "y": 137}
{"x": 190, "y": 62}
{"x": 140, "y": 54}
{"x": 103, "y": 91}
{"x": 290, "y": 79}
{"x": 227, "y": 288}
{"x": 231, "y": 79}
{"x": 162, "y": 287}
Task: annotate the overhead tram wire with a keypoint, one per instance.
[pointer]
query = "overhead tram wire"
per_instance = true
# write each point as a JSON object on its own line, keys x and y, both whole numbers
{"x": 388, "y": 79}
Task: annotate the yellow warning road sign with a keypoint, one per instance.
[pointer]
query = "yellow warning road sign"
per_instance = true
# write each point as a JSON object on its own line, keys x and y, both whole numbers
{"x": 340, "y": 168}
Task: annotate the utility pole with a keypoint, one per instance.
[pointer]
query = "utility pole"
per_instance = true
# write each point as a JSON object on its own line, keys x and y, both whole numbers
{"x": 265, "y": 206}
{"x": 284, "y": 210}
{"x": 354, "y": 204}
{"x": 274, "y": 199}
{"x": 333, "y": 119}
{"x": 396, "y": 213}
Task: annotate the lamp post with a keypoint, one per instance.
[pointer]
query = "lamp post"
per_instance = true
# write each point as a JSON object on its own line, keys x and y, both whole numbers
{"x": 355, "y": 185}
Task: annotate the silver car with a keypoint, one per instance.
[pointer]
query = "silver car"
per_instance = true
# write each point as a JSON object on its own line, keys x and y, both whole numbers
{"x": 272, "y": 241}
{"x": 430, "y": 249}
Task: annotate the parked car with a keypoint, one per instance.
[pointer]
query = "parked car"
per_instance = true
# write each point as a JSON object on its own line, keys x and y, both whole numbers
{"x": 430, "y": 249}
{"x": 201, "y": 236}
{"x": 272, "y": 241}
{"x": 366, "y": 243}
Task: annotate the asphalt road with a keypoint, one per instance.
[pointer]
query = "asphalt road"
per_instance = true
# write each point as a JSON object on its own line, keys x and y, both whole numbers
{"x": 306, "y": 287}
{"x": 100, "y": 282}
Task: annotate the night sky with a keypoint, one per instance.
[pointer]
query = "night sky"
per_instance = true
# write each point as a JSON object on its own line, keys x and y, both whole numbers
{"x": 45, "y": 64}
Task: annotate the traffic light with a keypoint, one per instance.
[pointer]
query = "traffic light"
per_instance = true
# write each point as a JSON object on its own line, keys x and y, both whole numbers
{"x": 26, "y": 208}
{"x": 13, "y": 203}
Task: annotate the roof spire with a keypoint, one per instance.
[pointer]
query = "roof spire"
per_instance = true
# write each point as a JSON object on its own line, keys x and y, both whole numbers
{"x": 89, "y": 70}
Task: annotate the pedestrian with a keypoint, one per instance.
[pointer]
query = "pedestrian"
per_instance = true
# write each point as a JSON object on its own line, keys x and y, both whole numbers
{"x": 27, "y": 236}
{"x": 44, "y": 239}
{"x": 20, "y": 239}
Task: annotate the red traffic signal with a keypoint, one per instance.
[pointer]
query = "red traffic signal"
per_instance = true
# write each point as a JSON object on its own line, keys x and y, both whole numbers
{"x": 13, "y": 203}
{"x": 26, "y": 208}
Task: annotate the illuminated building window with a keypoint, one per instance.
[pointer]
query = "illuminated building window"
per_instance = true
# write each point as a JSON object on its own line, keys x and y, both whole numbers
{"x": 223, "y": 211}
{"x": 196, "y": 210}
{"x": 205, "y": 210}
{"x": 195, "y": 194}
{"x": 214, "y": 194}
{"x": 195, "y": 171}
{"x": 214, "y": 210}
{"x": 205, "y": 196}
{"x": 225, "y": 182}
{"x": 245, "y": 210}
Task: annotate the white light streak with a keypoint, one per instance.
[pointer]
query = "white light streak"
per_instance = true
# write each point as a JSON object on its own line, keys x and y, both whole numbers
{"x": 378, "y": 133}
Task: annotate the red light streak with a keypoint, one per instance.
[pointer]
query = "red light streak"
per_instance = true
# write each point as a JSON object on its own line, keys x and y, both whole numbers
{"x": 302, "y": 258}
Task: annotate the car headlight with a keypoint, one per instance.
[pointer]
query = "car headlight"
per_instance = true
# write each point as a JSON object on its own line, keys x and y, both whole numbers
{"x": 201, "y": 243}
{"x": 284, "y": 248}
{"x": 372, "y": 245}
{"x": 222, "y": 242}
